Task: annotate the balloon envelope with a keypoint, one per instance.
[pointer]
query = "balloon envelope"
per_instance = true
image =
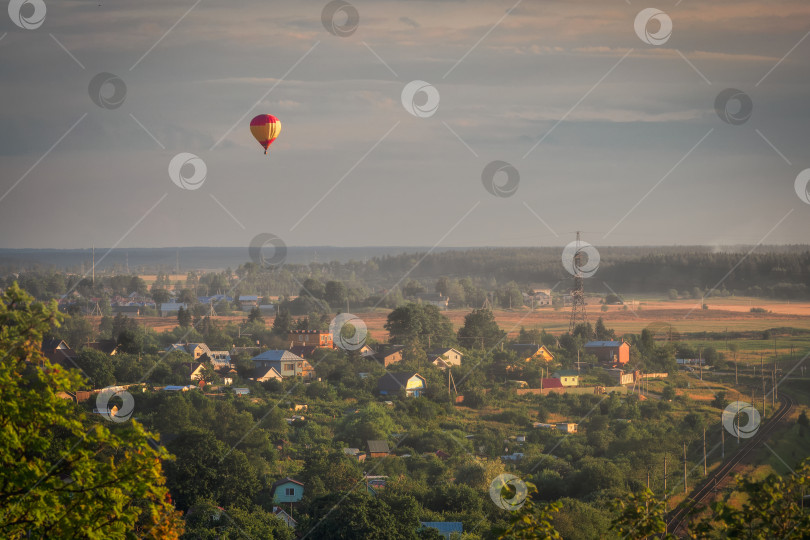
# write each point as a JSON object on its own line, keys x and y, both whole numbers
{"x": 265, "y": 128}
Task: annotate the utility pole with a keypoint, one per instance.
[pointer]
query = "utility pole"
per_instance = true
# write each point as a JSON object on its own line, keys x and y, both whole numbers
{"x": 737, "y": 419}
{"x": 723, "y": 438}
{"x": 665, "y": 478}
{"x": 684, "y": 468}
{"x": 704, "y": 451}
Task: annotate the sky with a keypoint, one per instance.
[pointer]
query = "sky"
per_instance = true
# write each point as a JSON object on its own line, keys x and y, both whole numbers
{"x": 602, "y": 123}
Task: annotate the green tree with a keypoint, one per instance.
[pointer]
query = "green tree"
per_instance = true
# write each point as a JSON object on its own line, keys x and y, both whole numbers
{"x": 61, "y": 475}
{"x": 480, "y": 328}
{"x": 183, "y": 317}
{"x": 357, "y": 514}
{"x": 419, "y": 321}
{"x": 99, "y": 367}
{"x": 641, "y": 515}
{"x": 773, "y": 508}
{"x": 532, "y": 520}
{"x": 75, "y": 331}
{"x": 282, "y": 323}
{"x": 255, "y": 316}
{"x": 336, "y": 294}
{"x": 208, "y": 468}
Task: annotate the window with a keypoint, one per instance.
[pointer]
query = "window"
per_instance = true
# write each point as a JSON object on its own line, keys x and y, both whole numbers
{"x": 289, "y": 491}
{"x": 287, "y": 367}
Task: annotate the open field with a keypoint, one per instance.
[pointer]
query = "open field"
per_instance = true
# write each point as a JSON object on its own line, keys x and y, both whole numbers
{"x": 730, "y": 314}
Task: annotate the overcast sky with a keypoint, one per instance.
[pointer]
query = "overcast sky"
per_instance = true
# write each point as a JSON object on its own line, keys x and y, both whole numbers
{"x": 631, "y": 150}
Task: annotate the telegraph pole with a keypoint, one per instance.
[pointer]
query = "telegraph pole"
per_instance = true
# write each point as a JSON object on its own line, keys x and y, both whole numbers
{"x": 684, "y": 468}
{"x": 704, "y": 451}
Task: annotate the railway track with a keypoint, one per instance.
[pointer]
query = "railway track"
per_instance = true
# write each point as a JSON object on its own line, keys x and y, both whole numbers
{"x": 677, "y": 518}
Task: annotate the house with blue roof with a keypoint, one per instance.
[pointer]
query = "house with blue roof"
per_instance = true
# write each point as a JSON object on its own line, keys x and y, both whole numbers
{"x": 448, "y": 529}
{"x": 285, "y": 363}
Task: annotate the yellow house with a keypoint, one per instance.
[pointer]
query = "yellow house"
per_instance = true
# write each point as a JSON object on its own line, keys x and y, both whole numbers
{"x": 567, "y": 377}
{"x": 531, "y": 351}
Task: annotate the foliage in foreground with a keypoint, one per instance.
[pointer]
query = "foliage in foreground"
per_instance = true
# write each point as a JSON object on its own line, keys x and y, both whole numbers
{"x": 61, "y": 475}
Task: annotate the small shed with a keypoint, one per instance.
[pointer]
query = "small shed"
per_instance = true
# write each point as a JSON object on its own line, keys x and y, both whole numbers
{"x": 378, "y": 449}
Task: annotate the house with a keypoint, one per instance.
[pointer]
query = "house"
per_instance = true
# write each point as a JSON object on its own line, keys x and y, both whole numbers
{"x": 433, "y": 299}
{"x": 567, "y": 427}
{"x": 445, "y": 357}
{"x": 537, "y": 297}
{"x": 448, "y": 529}
{"x": 170, "y": 309}
{"x": 365, "y": 350}
{"x": 567, "y": 377}
{"x": 285, "y": 363}
{"x": 263, "y": 374}
{"x": 285, "y": 517}
{"x": 58, "y": 352}
{"x": 287, "y": 490}
{"x": 247, "y": 302}
{"x": 241, "y": 391}
{"x": 611, "y": 352}
{"x": 551, "y": 382}
{"x": 377, "y": 449}
{"x": 621, "y": 377}
{"x": 389, "y": 354}
{"x": 531, "y": 351}
{"x": 126, "y": 311}
{"x": 194, "y": 370}
{"x": 310, "y": 338}
{"x": 106, "y": 346}
{"x": 390, "y": 383}
{"x": 197, "y": 350}
{"x": 220, "y": 359}
{"x": 355, "y": 453}
{"x": 176, "y": 388}
{"x": 690, "y": 361}
{"x": 214, "y": 299}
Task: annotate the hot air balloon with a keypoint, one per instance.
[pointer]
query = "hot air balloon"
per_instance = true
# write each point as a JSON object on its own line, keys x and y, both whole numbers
{"x": 265, "y": 128}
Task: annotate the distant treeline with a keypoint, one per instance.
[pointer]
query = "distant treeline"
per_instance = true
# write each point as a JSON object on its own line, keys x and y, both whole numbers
{"x": 777, "y": 272}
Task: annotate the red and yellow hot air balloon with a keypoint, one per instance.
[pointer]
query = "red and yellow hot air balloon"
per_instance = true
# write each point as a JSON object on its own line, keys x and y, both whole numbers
{"x": 265, "y": 128}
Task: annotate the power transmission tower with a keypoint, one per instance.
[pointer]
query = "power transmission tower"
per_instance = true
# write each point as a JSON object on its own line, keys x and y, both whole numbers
{"x": 578, "y": 313}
